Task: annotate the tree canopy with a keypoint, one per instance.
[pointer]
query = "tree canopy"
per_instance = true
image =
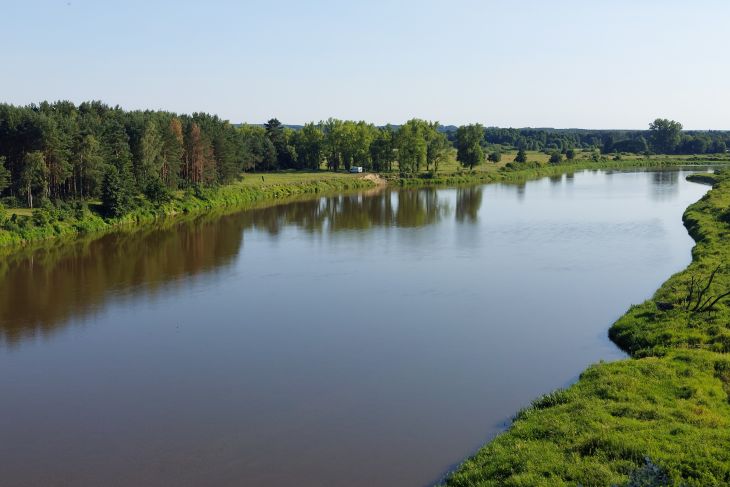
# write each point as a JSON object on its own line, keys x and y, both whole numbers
{"x": 60, "y": 151}
{"x": 469, "y": 150}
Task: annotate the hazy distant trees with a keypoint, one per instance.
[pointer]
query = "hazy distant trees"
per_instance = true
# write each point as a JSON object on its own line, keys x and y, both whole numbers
{"x": 609, "y": 141}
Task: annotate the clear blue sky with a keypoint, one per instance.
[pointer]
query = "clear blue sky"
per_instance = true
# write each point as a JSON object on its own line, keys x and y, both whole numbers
{"x": 561, "y": 63}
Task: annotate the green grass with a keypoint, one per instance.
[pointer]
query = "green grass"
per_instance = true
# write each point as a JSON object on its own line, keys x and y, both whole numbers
{"x": 252, "y": 180}
{"x": 672, "y": 410}
{"x": 669, "y": 404}
{"x": 20, "y": 211}
{"x": 21, "y": 227}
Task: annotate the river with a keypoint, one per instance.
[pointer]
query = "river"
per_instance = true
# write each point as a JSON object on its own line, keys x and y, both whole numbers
{"x": 359, "y": 339}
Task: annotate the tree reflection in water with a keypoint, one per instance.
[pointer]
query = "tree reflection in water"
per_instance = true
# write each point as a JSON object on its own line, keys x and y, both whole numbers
{"x": 43, "y": 289}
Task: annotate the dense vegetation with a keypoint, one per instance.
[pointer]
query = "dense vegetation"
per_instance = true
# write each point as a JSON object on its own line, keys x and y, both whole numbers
{"x": 660, "y": 418}
{"x": 62, "y": 152}
{"x": 663, "y": 137}
{"x": 79, "y": 169}
{"x": 55, "y": 152}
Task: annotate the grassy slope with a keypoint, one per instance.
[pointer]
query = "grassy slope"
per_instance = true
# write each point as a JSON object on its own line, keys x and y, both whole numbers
{"x": 248, "y": 192}
{"x": 669, "y": 403}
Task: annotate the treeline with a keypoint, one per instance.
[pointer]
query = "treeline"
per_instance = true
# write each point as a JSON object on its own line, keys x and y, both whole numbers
{"x": 62, "y": 152}
{"x": 663, "y": 137}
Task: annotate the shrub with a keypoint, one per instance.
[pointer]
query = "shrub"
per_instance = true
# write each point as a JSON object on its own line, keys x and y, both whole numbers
{"x": 41, "y": 217}
{"x": 556, "y": 158}
{"x": 79, "y": 209}
{"x": 157, "y": 192}
{"x": 521, "y": 156}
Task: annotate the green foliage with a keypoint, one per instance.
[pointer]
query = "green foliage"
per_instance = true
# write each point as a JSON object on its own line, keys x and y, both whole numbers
{"x": 556, "y": 158}
{"x": 570, "y": 154}
{"x": 469, "y": 145}
{"x": 309, "y": 146}
{"x": 275, "y": 132}
{"x": 664, "y": 135}
{"x": 4, "y": 175}
{"x": 157, "y": 192}
{"x": 412, "y": 146}
{"x": 116, "y": 196}
{"x": 627, "y": 141}
{"x": 521, "y": 156}
{"x": 77, "y": 218}
{"x": 382, "y": 150}
{"x": 494, "y": 156}
{"x": 347, "y": 143}
{"x": 34, "y": 176}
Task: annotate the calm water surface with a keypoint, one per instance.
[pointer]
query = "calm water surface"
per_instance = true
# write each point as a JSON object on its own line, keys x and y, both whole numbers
{"x": 353, "y": 340}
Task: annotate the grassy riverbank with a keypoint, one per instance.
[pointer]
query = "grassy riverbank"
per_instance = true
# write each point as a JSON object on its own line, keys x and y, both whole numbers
{"x": 20, "y": 227}
{"x": 662, "y": 416}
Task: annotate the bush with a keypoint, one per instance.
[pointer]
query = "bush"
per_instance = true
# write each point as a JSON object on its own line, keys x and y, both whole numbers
{"x": 157, "y": 192}
{"x": 556, "y": 158}
{"x": 494, "y": 156}
{"x": 570, "y": 154}
{"x": 79, "y": 209}
{"x": 42, "y": 217}
{"x": 521, "y": 156}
